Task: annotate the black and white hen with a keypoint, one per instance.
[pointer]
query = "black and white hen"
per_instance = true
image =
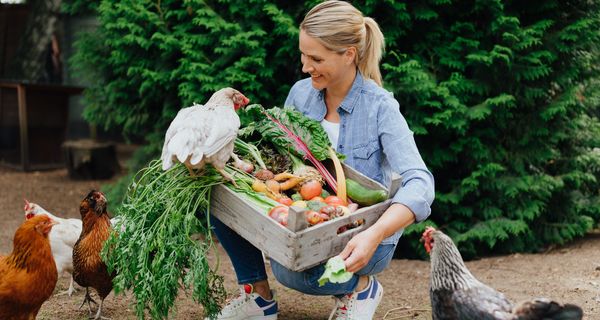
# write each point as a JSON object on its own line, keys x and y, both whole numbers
{"x": 457, "y": 295}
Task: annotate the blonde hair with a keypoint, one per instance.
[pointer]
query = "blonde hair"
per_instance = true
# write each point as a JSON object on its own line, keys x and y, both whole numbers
{"x": 339, "y": 25}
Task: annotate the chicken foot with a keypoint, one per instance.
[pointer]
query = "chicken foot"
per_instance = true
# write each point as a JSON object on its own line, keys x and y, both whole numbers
{"x": 227, "y": 176}
{"x": 70, "y": 290}
{"x": 88, "y": 299}
{"x": 99, "y": 313}
{"x": 192, "y": 171}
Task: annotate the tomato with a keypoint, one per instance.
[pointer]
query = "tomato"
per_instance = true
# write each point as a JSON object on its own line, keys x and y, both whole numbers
{"x": 334, "y": 201}
{"x": 283, "y": 219}
{"x": 280, "y": 214}
{"x": 310, "y": 189}
{"x": 285, "y": 200}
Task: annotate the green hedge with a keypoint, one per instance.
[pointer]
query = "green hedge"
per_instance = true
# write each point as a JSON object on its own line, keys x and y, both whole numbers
{"x": 502, "y": 96}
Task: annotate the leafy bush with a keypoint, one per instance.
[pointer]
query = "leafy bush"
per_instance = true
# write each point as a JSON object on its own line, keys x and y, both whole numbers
{"x": 502, "y": 95}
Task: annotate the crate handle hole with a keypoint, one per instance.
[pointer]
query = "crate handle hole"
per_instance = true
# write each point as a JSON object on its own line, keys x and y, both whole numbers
{"x": 352, "y": 227}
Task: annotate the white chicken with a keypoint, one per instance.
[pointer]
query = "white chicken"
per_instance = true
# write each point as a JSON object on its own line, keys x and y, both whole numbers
{"x": 63, "y": 237}
{"x": 203, "y": 134}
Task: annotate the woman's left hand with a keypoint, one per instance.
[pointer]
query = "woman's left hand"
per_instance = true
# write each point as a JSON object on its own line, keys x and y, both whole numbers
{"x": 360, "y": 249}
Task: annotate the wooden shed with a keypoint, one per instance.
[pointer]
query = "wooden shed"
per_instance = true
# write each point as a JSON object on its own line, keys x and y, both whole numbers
{"x": 33, "y": 124}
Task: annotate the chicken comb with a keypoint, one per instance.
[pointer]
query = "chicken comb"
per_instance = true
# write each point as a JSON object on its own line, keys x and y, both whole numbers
{"x": 427, "y": 239}
{"x": 428, "y": 231}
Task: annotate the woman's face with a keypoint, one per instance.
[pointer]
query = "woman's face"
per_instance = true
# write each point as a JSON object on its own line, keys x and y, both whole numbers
{"x": 326, "y": 67}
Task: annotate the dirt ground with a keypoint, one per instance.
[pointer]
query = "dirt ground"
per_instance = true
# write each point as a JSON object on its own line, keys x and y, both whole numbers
{"x": 567, "y": 274}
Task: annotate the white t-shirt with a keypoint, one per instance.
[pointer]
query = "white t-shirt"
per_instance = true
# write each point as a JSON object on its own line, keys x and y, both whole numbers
{"x": 333, "y": 131}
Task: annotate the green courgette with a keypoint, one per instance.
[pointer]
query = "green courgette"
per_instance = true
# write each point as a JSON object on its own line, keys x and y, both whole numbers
{"x": 364, "y": 196}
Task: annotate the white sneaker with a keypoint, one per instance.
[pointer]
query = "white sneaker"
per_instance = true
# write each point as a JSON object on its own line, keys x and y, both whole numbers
{"x": 249, "y": 306}
{"x": 358, "y": 305}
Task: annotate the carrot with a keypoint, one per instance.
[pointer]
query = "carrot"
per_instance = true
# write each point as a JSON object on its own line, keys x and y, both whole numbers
{"x": 284, "y": 176}
{"x": 259, "y": 186}
{"x": 290, "y": 183}
{"x": 270, "y": 188}
{"x": 273, "y": 186}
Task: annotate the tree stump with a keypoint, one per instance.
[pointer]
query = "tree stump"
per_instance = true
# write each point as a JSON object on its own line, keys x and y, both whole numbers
{"x": 90, "y": 159}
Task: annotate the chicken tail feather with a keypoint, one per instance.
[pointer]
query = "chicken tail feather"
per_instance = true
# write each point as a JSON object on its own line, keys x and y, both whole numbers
{"x": 548, "y": 309}
{"x": 179, "y": 145}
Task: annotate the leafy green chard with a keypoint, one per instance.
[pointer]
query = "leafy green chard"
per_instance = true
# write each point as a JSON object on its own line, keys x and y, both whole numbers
{"x": 294, "y": 133}
{"x": 153, "y": 251}
{"x": 310, "y": 131}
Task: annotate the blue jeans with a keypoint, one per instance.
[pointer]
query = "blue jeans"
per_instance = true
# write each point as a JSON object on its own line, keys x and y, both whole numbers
{"x": 249, "y": 265}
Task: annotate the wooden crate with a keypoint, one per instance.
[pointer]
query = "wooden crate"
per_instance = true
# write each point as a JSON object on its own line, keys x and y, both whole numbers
{"x": 297, "y": 246}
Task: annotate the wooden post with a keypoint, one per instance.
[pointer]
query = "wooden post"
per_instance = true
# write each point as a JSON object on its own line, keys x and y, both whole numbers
{"x": 296, "y": 219}
{"x": 21, "y": 97}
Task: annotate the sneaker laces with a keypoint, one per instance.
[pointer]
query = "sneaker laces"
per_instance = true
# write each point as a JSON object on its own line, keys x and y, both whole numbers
{"x": 236, "y": 302}
{"x": 341, "y": 308}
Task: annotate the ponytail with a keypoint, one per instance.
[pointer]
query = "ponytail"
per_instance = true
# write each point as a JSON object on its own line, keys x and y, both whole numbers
{"x": 368, "y": 63}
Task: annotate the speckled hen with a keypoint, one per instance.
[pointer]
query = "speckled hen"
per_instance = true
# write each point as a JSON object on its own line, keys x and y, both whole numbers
{"x": 457, "y": 295}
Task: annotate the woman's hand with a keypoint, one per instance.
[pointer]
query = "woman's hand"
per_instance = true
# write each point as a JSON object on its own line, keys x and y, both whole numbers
{"x": 362, "y": 246}
{"x": 360, "y": 249}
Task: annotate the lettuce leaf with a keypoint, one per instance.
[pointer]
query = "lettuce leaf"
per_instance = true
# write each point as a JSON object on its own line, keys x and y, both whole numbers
{"x": 335, "y": 272}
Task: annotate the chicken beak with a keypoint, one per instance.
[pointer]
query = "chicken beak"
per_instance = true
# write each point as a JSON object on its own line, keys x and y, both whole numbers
{"x": 53, "y": 223}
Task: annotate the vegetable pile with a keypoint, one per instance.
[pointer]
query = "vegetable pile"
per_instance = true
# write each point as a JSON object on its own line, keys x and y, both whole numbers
{"x": 164, "y": 240}
{"x": 299, "y": 138}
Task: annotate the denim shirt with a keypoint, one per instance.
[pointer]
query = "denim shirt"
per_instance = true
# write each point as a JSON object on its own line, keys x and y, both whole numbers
{"x": 376, "y": 140}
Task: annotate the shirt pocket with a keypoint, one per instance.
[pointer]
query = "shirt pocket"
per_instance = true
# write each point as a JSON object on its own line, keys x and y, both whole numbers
{"x": 367, "y": 159}
{"x": 366, "y": 150}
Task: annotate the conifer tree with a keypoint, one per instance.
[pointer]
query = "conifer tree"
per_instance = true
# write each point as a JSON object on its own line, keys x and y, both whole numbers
{"x": 502, "y": 95}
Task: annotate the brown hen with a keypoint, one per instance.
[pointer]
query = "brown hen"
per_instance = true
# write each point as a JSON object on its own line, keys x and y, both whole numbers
{"x": 88, "y": 268}
{"x": 28, "y": 275}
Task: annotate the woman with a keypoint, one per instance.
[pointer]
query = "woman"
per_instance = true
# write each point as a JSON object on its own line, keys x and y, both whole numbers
{"x": 341, "y": 51}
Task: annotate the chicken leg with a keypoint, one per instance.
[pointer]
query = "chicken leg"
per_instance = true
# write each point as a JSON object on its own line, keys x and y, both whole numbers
{"x": 227, "y": 176}
{"x": 88, "y": 299}
{"x": 70, "y": 290}
{"x": 99, "y": 313}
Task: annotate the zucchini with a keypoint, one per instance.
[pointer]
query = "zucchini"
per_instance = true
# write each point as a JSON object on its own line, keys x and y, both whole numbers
{"x": 364, "y": 196}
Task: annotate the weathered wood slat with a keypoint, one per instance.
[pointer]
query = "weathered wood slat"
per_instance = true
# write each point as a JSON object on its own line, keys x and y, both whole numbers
{"x": 256, "y": 227}
{"x": 321, "y": 242}
{"x": 297, "y": 219}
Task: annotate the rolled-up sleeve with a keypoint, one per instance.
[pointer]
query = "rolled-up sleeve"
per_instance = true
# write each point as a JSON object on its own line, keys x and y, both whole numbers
{"x": 417, "y": 191}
